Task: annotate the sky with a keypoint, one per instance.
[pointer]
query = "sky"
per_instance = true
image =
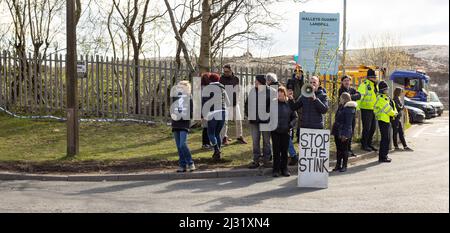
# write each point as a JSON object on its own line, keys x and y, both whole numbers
{"x": 413, "y": 22}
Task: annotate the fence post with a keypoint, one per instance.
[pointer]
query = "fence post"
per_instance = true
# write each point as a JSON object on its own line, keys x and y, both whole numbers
{"x": 160, "y": 114}
{"x": 35, "y": 81}
{"x": 51, "y": 84}
{"x": 6, "y": 82}
{"x": 41, "y": 83}
{"x": 102, "y": 81}
{"x": 169, "y": 88}
{"x": 166, "y": 94}
{"x": 61, "y": 83}
{"x": 113, "y": 93}
{"x": 127, "y": 88}
{"x": 155, "y": 90}
{"x": 123, "y": 88}
{"x": 45, "y": 85}
{"x": 2, "y": 69}
{"x": 91, "y": 100}
{"x": 97, "y": 85}
{"x": 107, "y": 112}
{"x": 81, "y": 91}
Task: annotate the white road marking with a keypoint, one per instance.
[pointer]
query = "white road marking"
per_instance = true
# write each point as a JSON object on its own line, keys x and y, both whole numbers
{"x": 225, "y": 183}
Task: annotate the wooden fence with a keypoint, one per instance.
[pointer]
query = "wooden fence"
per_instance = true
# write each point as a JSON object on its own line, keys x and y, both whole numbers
{"x": 38, "y": 87}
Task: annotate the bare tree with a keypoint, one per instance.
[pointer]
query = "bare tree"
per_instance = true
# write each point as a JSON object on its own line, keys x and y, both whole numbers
{"x": 217, "y": 24}
{"x": 77, "y": 11}
{"x": 134, "y": 20}
{"x": 240, "y": 23}
{"x": 40, "y": 15}
{"x": 382, "y": 50}
{"x": 18, "y": 10}
{"x": 181, "y": 28}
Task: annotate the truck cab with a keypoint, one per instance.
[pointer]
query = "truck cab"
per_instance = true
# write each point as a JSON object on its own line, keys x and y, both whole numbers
{"x": 415, "y": 84}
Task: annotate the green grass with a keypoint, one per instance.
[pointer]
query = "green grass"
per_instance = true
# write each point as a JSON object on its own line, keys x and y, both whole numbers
{"x": 37, "y": 141}
{"x": 40, "y": 146}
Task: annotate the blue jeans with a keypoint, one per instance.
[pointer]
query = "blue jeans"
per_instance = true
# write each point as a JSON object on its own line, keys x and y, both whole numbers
{"x": 215, "y": 125}
{"x": 183, "y": 150}
{"x": 292, "y": 152}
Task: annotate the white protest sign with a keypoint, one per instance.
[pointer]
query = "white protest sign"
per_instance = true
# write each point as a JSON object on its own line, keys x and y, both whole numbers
{"x": 314, "y": 158}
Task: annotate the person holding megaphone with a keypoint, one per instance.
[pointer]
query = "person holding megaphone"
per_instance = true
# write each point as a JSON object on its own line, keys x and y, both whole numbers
{"x": 314, "y": 103}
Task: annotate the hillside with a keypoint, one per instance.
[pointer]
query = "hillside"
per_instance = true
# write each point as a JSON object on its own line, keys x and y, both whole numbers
{"x": 436, "y": 56}
{"x": 433, "y": 58}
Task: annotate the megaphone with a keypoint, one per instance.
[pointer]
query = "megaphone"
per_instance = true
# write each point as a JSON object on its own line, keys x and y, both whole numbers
{"x": 308, "y": 90}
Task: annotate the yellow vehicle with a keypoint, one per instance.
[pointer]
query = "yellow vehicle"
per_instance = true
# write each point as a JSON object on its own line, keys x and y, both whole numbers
{"x": 331, "y": 83}
{"x": 358, "y": 73}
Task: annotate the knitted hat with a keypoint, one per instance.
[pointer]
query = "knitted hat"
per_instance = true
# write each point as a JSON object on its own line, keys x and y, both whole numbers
{"x": 261, "y": 79}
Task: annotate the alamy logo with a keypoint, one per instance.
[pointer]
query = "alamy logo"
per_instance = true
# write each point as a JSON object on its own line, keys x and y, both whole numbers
{"x": 216, "y": 101}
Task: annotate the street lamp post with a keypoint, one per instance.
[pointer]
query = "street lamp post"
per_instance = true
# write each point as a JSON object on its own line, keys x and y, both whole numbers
{"x": 71, "y": 81}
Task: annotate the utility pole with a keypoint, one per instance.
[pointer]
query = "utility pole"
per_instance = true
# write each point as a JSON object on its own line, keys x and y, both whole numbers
{"x": 344, "y": 54}
{"x": 71, "y": 81}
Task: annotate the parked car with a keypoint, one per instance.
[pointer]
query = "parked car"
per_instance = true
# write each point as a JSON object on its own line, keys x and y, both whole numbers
{"x": 415, "y": 115}
{"x": 430, "y": 111}
{"x": 436, "y": 103}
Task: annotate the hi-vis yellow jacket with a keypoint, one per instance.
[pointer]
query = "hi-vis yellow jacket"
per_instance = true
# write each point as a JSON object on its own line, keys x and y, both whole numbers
{"x": 383, "y": 109}
{"x": 368, "y": 95}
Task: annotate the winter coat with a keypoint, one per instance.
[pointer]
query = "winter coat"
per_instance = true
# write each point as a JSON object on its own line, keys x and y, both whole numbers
{"x": 343, "y": 120}
{"x": 313, "y": 110}
{"x": 252, "y": 105}
{"x": 352, "y": 91}
{"x": 220, "y": 104}
{"x": 399, "y": 106}
{"x": 287, "y": 118}
{"x": 296, "y": 85}
{"x": 181, "y": 112}
{"x": 231, "y": 81}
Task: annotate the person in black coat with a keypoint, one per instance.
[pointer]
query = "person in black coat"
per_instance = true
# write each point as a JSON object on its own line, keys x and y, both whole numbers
{"x": 342, "y": 130}
{"x": 397, "y": 125}
{"x": 181, "y": 114}
{"x": 355, "y": 95}
{"x": 313, "y": 108}
{"x": 272, "y": 81}
{"x": 280, "y": 137}
{"x": 294, "y": 86}
{"x": 228, "y": 79}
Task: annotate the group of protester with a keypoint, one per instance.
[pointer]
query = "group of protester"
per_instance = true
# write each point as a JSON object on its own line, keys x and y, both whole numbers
{"x": 275, "y": 111}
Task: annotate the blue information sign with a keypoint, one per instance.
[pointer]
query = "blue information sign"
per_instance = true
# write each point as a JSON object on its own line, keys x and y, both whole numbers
{"x": 319, "y": 42}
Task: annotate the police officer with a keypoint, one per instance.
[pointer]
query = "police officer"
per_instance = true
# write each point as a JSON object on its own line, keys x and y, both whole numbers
{"x": 383, "y": 112}
{"x": 368, "y": 91}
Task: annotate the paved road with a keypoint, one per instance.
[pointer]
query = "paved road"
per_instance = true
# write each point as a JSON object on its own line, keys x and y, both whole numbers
{"x": 414, "y": 182}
